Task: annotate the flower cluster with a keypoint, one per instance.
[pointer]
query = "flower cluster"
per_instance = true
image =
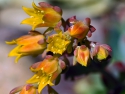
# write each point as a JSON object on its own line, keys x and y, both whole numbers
{"x": 73, "y": 38}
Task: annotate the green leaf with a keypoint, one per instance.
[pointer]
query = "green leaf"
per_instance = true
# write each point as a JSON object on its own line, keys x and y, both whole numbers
{"x": 51, "y": 90}
{"x": 66, "y": 60}
{"x": 69, "y": 48}
{"x": 123, "y": 92}
{"x": 58, "y": 79}
{"x": 74, "y": 60}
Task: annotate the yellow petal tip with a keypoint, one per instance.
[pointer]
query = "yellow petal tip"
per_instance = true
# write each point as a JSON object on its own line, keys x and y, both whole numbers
{"x": 17, "y": 58}
{"x": 10, "y": 42}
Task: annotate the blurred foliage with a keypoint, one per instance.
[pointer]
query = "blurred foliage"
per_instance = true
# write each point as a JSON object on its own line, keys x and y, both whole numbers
{"x": 91, "y": 84}
{"x": 87, "y": 7}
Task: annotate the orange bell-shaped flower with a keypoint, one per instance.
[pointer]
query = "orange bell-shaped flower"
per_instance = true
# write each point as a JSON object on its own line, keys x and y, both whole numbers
{"x": 46, "y": 71}
{"x": 28, "y": 45}
{"x": 44, "y": 15}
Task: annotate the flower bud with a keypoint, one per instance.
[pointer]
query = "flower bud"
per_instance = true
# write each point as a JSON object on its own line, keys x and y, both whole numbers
{"x": 28, "y": 90}
{"x": 101, "y": 51}
{"x": 16, "y": 89}
{"x": 81, "y": 54}
{"x": 25, "y": 89}
{"x": 78, "y": 30}
{"x": 62, "y": 64}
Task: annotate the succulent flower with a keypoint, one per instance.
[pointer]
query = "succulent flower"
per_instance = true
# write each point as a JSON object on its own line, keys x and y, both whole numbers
{"x": 25, "y": 89}
{"x": 70, "y": 36}
{"x": 57, "y": 43}
{"x": 28, "y": 45}
{"x": 44, "y": 15}
{"x": 78, "y": 30}
{"x": 46, "y": 71}
{"x": 101, "y": 51}
{"x": 81, "y": 55}
{"x": 29, "y": 90}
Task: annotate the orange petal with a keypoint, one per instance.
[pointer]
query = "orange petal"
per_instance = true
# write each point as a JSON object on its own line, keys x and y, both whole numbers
{"x": 102, "y": 53}
{"x": 78, "y": 30}
{"x": 82, "y": 55}
{"x": 51, "y": 17}
{"x": 29, "y": 39}
{"x": 48, "y": 66}
{"x": 33, "y": 48}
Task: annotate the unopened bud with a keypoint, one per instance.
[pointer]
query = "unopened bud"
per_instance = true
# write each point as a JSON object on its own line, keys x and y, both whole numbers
{"x": 81, "y": 54}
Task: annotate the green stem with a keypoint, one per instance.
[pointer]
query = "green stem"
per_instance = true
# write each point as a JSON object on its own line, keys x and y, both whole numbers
{"x": 48, "y": 30}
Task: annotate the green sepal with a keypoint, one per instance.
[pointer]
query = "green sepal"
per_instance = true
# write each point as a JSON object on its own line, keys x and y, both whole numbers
{"x": 57, "y": 81}
{"x": 51, "y": 90}
{"x": 65, "y": 59}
